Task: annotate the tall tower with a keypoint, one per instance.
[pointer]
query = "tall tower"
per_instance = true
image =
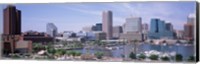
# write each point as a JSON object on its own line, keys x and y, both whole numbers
{"x": 107, "y": 23}
{"x": 51, "y": 29}
{"x": 11, "y": 28}
{"x": 12, "y": 21}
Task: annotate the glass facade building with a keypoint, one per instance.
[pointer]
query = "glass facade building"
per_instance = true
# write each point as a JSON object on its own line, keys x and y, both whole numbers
{"x": 160, "y": 29}
{"x": 51, "y": 29}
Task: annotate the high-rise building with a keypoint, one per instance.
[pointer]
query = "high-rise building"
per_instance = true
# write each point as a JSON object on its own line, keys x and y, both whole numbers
{"x": 133, "y": 24}
{"x": 11, "y": 28}
{"x": 191, "y": 19}
{"x": 107, "y": 23}
{"x": 145, "y": 27}
{"x": 145, "y": 30}
{"x": 159, "y": 29}
{"x": 188, "y": 31}
{"x": 169, "y": 27}
{"x": 51, "y": 29}
{"x": 117, "y": 30}
{"x": 12, "y": 20}
{"x": 189, "y": 27}
{"x": 99, "y": 27}
{"x": 132, "y": 29}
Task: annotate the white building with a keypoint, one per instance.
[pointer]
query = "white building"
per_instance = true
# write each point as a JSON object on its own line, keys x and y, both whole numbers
{"x": 133, "y": 24}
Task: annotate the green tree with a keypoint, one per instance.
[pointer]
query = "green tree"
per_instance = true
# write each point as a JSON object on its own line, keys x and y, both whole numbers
{"x": 51, "y": 51}
{"x": 191, "y": 58}
{"x": 78, "y": 53}
{"x": 142, "y": 56}
{"x": 99, "y": 54}
{"x": 60, "y": 52}
{"x": 165, "y": 58}
{"x": 178, "y": 57}
{"x": 153, "y": 57}
{"x": 132, "y": 55}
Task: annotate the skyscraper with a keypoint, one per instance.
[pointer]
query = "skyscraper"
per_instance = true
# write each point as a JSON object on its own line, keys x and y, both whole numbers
{"x": 191, "y": 19}
{"x": 188, "y": 31}
{"x": 11, "y": 28}
{"x": 132, "y": 29}
{"x": 12, "y": 20}
{"x": 51, "y": 29}
{"x": 189, "y": 27}
{"x": 169, "y": 27}
{"x": 133, "y": 24}
{"x": 107, "y": 23}
{"x": 160, "y": 29}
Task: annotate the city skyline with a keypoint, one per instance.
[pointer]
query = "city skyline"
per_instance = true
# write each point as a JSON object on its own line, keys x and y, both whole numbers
{"x": 64, "y": 16}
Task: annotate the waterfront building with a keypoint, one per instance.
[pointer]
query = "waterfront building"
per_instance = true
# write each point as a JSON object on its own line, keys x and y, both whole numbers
{"x": 159, "y": 29}
{"x": 117, "y": 30}
{"x": 133, "y": 24}
{"x": 107, "y": 21}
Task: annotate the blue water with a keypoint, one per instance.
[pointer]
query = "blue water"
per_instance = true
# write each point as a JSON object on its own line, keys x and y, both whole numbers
{"x": 185, "y": 51}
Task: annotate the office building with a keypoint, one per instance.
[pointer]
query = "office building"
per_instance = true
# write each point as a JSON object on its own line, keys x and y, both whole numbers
{"x": 133, "y": 24}
{"x": 169, "y": 27}
{"x": 117, "y": 30}
{"x": 145, "y": 31}
{"x": 12, "y": 20}
{"x": 145, "y": 28}
{"x": 107, "y": 23}
{"x": 191, "y": 19}
{"x": 11, "y": 28}
{"x": 99, "y": 35}
{"x": 188, "y": 31}
{"x": 37, "y": 37}
{"x": 98, "y": 26}
{"x": 189, "y": 27}
{"x": 131, "y": 36}
{"x": 24, "y": 46}
{"x": 51, "y": 29}
{"x": 159, "y": 29}
{"x": 179, "y": 34}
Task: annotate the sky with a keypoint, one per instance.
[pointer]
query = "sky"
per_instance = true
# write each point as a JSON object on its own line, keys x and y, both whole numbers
{"x": 75, "y": 16}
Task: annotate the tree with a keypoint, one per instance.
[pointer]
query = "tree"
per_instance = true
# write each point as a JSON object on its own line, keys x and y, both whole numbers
{"x": 99, "y": 54}
{"x": 51, "y": 51}
{"x": 154, "y": 57}
{"x": 165, "y": 58}
{"x": 191, "y": 58}
{"x": 142, "y": 56}
{"x": 178, "y": 57}
{"x": 132, "y": 55}
{"x": 78, "y": 53}
{"x": 60, "y": 52}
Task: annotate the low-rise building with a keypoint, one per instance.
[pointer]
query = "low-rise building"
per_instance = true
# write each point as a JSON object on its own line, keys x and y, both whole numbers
{"x": 24, "y": 46}
{"x": 100, "y": 35}
{"x": 131, "y": 36}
